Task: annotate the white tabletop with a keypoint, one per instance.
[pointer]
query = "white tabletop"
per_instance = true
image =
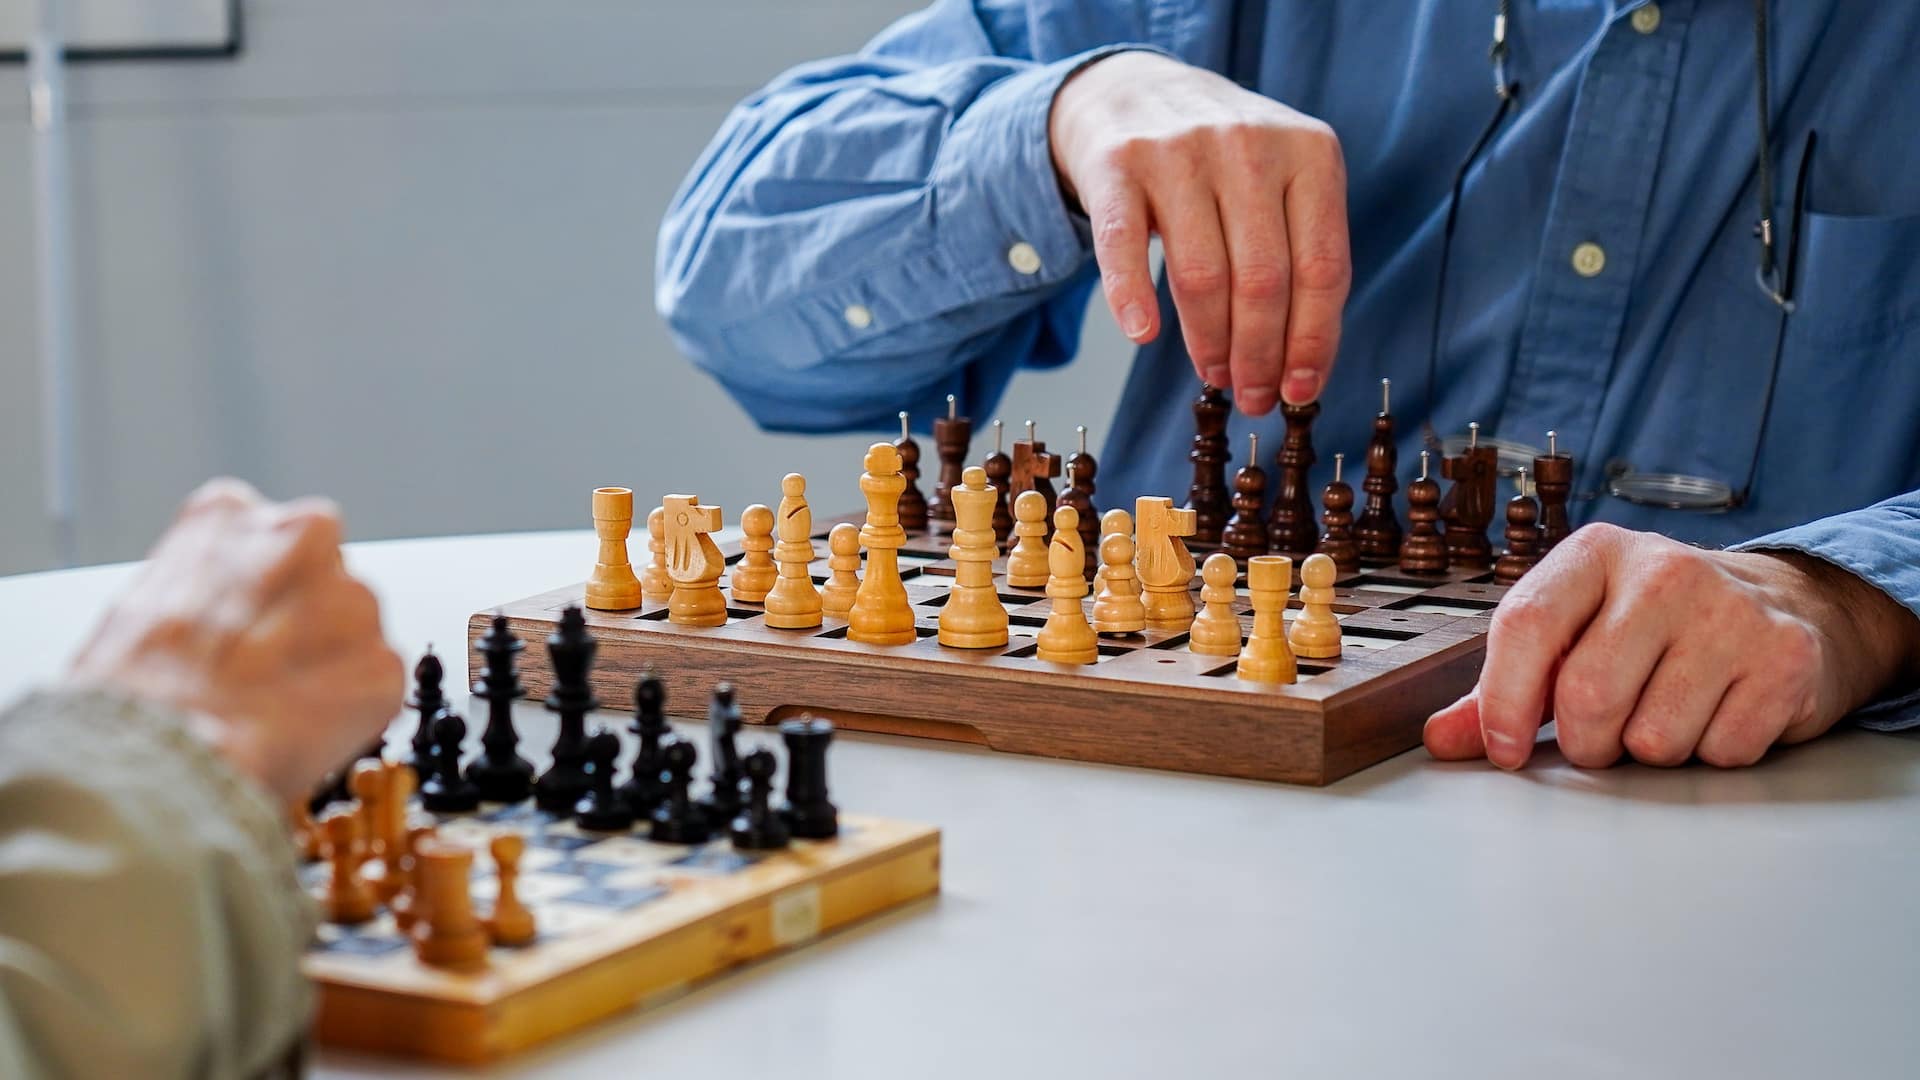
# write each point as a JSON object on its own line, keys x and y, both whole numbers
{"x": 1417, "y": 919}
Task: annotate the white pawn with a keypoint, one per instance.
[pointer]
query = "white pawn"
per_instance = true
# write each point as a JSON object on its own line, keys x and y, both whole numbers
{"x": 1113, "y": 521}
{"x": 1117, "y": 608}
{"x": 755, "y": 574}
{"x": 1027, "y": 562}
{"x": 794, "y": 604}
{"x": 1066, "y": 639}
{"x": 1216, "y": 630}
{"x": 843, "y": 566}
{"x": 1315, "y": 633}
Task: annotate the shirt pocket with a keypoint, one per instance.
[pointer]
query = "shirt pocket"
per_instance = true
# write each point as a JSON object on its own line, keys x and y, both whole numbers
{"x": 1859, "y": 283}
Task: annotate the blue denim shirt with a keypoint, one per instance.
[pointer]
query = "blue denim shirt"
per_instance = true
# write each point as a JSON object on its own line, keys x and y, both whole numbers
{"x": 846, "y": 247}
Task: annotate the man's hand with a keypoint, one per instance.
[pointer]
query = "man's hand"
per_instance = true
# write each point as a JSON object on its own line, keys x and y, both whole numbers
{"x": 1634, "y": 643}
{"x": 245, "y": 618}
{"x": 1249, "y": 198}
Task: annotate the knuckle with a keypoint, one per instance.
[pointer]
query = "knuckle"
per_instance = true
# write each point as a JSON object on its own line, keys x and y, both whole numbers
{"x": 1670, "y": 569}
{"x": 1591, "y": 541}
{"x": 1581, "y": 701}
{"x": 1649, "y": 744}
{"x": 1311, "y": 346}
{"x": 1521, "y": 613}
{"x": 1795, "y": 649}
{"x": 1734, "y": 752}
{"x": 222, "y": 493}
{"x": 1322, "y": 270}
{"x": 1197, "y": 274}
{"x": 1262, "y": 280}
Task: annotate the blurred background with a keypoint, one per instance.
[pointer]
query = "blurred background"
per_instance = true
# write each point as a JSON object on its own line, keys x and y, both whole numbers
{"x": 399, "y": 252}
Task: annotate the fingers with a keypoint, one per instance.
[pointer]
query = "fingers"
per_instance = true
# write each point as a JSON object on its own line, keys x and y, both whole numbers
{"x": 1118, "y": 212}
{"x": 1453, "y": 733}
{"x": 1679, "y": 700}
{"x": 1601, "y": 680}
{"x": 1322, "y": 270}
{"x": 1256, "y": 231}
{"x": 1198, "y": 275}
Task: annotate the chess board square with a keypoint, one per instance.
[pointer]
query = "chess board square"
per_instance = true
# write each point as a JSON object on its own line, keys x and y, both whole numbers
{"x": 582, "y": 868}
{"x": 633, "y": 851}
{"x": 363, "y": 944}
{"x": 513, "y": 813}
{"x": 713, "y": 859}
{"x": 559, "y": 841}
{"x": 616, "y": 899}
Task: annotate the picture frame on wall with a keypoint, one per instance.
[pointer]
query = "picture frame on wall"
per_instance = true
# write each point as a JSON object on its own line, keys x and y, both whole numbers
{"x": 127, "y": 29}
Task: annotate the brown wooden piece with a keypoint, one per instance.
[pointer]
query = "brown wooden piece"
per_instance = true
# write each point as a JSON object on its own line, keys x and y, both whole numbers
{"x": 1267, "y": 658}
{"x": 656, "y": 584}
{"x": 1163, "y": 562}
{"x": 371, "y": 785}
{"x": 913, "y": 505}
{"x": 794, "y": 603}
{"x": 1316, "y": 630}
{"x": 952, "y": 435}
{"x": 1081, "y": 468}
{"x": 1468, "y": 505}
{"x": 1067, "y": 638}
{"x": 881, "y": 614}
{"x": 843, "y": 569}
{"x": 612, "y": 586}
{"x": 1033, "y": 470}
{"x": 1207, "y": 493}
{"x": 694, "y": 562}
{"x": 348, "y": 900}
{"x": 1336, "y": 542}
{"x": 445, "y": 932}
{"x": 1553, "y": 479}
{"x": 405, "y": 903}
{"x": 755, "y": 574}
{"x": 1291, "y": 527}
{"x": 1246, "y": 533}
{"x": 999, "y": 470}
{"x": 1216, "y": 629}
{"x": 1523, "y": 538}
{"x": 973, "y": 617}
{"x": 1423, "y": 551}
{"x": 1378, "y": 529}
{"x": 510, "y": 923}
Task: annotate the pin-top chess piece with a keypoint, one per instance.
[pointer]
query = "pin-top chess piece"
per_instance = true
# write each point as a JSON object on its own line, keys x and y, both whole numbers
{"x": 445, "y": 932}
{"x": 1267, "y": 658}
{"x": 613, "y": 586}
{"x": 643, "y": 789}
{"x": 1164, "y": 565}
{"x": 1081, "y": 468}
{"x": 678, "y": 819}
{"x": 1553, "y": 480}
{"x": 723, "y": 730}
{"x": 1033, "y": 470}
{"x": 1246, "y": 533}
{"x": 1316, "y": 630}
{"x": 603, "y": 808}
{"x": 1207, "y": 494}
{"x": 1216, "y": 630}
{"x": 500, "y": 773}
{"x": 951, "y": 436}
{"x": 1523, "y": 537}
{"x": 913, "y": 505}
{"x": 755, "y": 574}
{"x": 973, "y": 617}
{"x": 443, "y": 789}
{"x": 348, "y": 900}
{"x": 999, "y": 470}
{"x": 1291, "y": 526}
{"x": 429, "y": 700}
{"x": 402, "y": 904}
{"x": 757, "y": 827}
{"x": 881, "y": 614}
{"x": 1117, "y": 607}
{"x": 809, "y": 811}
{"x": 1468, "y": 506}
{"x": 1336, "y": 542}
{"x": 371, "y": 784}
{"x": 1067, "y": 638}
{"x": 510, "y": 924}
{"x": 1378, "y": 529}
{"x": 843, "y": 567}
{"x": 570, "y": 652}
{"x": 1027, "y": 562}
{"x": 1423, "y": 551}
{"x": 656, "y": 584}
{"x": 694, "y": 563}
{"x": 794, "y": 603}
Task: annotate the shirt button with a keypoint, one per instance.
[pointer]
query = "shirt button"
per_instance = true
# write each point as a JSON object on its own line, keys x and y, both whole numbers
{"x": 1023, "y": 258}
{"x": 858, "y": 316}
{"x": 1589, "y": 259}
{"x": 1646, "y": 18}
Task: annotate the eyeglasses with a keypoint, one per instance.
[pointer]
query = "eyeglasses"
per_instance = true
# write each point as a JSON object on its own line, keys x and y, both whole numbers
{"x": 1672, "y": 491}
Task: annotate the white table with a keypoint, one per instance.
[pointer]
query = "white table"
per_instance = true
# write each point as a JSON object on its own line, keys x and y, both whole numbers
{"x": 1417, "y": 919}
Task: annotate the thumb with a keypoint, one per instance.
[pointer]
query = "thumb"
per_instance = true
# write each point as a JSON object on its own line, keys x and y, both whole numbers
{"x": 1453, "y": 733}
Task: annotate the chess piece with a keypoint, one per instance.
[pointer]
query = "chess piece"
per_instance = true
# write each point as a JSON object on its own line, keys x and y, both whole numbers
{"x": 1267, "y": 657}
{"x": 794, "y": 604}
{"x": 372, "y": 786}
{"x": 1523, "y": 537}
{"x": 1316, "y": 630}
{"x": 881, "y": 614}
{"x": 1081, "y": 468}
{"x": 401, "y": 782}
{"x": 1553, "y": 480}
{"x": 999, "y": 470}
{"x": 755, "y": 574}
{"x": 643, "y": 789}
{"x": 1468, "y": 506}
{"x": 1246, "y": 533}
{"x": 723, "y": 727}
{"x": 656, "y": 584}
{"x": 1216, "y": 630}
{"x": 758, "y": 828}
{"x": 1378, "y": 530}
{"x": 443, "y": 790}
{"x": 694, "y": 563}
{"x": 500, "y": 773}
{"x": 613, "y": 586}
{"x": 1423, "y": 551}
{"x": 403, "y": 903}
{"x": 1113, "y": 521}
{"x": 1291, "y": 526}
{"x": 348, "y": 901}
{"x": 1033, "y": 470}
{"x": 510, "y": 924}
{"x": 570, "y": 652}
{"x": 1164, "y": 565}
{"x": 843, "y": 565}
{"x": 973, "y": 617}
{"x": 1207, "y": 495}
{"x": 1027, "y": 562}
{"x": 429, "y": 701}
{"x": 809, "y": 813}
{"x": 445, "y": 932}
{"x": 602, "y": 808}
{"x": 1337, "y": 541}
{"x": 913, "y": 505}
{"x": 678, "y": 819}
{"x": 951, "y": 436}
{"x": 1117, "y": 607}
{"x": 1067, "y": 638}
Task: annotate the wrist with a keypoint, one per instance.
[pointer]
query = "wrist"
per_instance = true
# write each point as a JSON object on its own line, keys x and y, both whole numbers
{"x": 1876, "y": 641}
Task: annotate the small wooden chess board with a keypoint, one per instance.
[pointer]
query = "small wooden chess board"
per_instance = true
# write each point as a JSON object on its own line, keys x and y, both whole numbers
{"x": 1410, "y": 646}
{"x": 622, "y": 922}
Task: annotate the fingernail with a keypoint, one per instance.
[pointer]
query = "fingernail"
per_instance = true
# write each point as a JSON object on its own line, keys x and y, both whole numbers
{"x": 1133, "y": 320}
{"x": 1302, "y": 386}
{"x": 1504, "y": 750}
{"x": 1255, "y": 401}
{"x": 1219, "y": 377}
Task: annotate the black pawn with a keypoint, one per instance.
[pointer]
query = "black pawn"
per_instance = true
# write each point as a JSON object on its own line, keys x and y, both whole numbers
{"x": 602, "y": 809}
{"x": 445, "y": 791}
{"x": 643, "y": 790}
{"x": 808, "y": 813}
{"x": 758, "y": 828}
{"x": 723, "y": 723}
{"x": 500, "y": 773}
{"x": 570, "y": 649}
{"x": 678, "y": 819}
{"x": 429, "y": 701}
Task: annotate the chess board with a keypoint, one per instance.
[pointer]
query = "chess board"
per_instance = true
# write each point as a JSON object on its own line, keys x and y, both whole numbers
{"x": 1410, "y": 646}
{"x": 622, "y": 921}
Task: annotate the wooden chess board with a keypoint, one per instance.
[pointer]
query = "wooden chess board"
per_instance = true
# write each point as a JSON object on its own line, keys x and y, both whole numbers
{"x": 1410, "y": 646}
{"x": 622, "y": 922}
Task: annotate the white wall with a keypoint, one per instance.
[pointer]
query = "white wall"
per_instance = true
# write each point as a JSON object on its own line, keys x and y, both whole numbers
{"x": 400, "y": 251}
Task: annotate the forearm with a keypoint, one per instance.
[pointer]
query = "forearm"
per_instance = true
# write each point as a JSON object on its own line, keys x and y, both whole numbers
{"x": 150, "y": 920}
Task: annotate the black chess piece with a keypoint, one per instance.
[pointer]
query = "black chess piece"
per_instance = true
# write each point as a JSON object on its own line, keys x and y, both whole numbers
{"x": 443, "y": 790}
{"x": 1081, "y": 469}
{"x": 570, "y": 648}
{"x": 429, "y": 701}
{"x": 1291, "y": 527}
{"x": 603, "y": 808}
{"x": 912, "y": 506}
{"x": 643, "y": 789}
{"x": 758, "y": 828}
{"x": 722, "y": 801}
{"x": 1207, "y": 495}
{"x": 808, "y": 812}
{"x": 678, "y": 819}
{"x": 500, "y": 773}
